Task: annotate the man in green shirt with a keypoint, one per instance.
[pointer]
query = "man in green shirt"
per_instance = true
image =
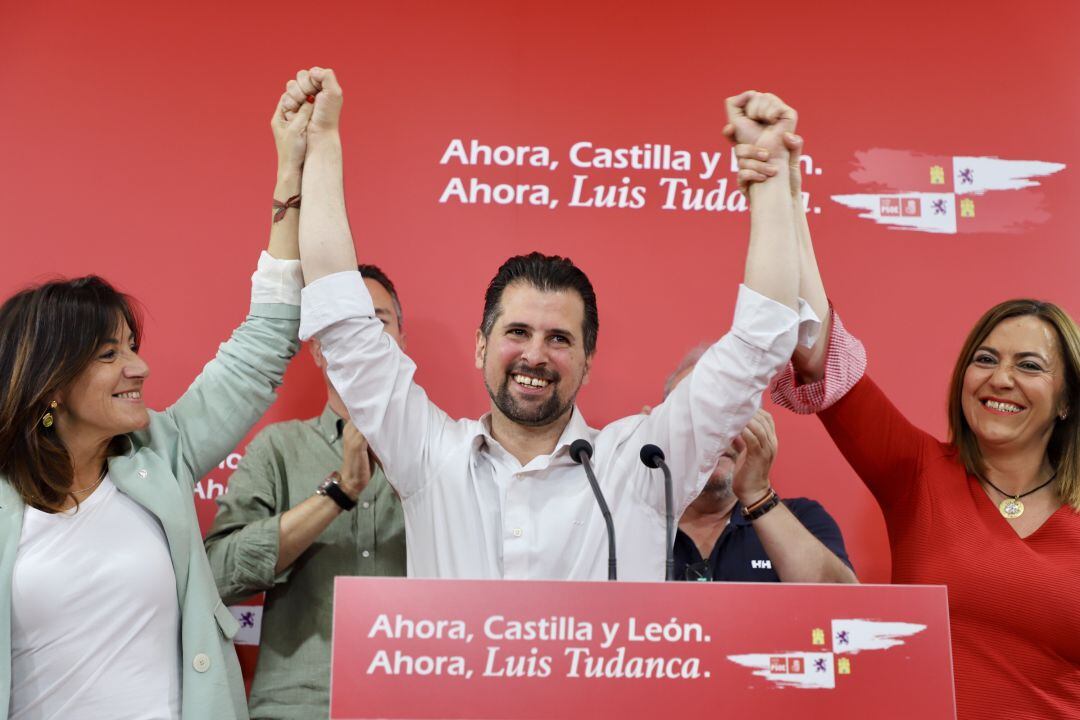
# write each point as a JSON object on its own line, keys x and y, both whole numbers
{"x": 307, "y": 503}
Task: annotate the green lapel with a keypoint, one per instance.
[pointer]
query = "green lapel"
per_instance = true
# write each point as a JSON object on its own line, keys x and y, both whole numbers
{"x": 148, "y": 480}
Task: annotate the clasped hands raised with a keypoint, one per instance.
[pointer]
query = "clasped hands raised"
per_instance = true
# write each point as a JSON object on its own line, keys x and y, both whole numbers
{"x": 762, "y": 128}
{"x": 308, "y": 112}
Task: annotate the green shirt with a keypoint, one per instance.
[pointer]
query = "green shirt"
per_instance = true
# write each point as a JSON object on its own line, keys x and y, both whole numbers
{"x": 281, "y": 468}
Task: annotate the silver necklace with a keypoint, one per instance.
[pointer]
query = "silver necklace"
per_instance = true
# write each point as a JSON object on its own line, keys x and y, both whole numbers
{"x": 93, "y": 487}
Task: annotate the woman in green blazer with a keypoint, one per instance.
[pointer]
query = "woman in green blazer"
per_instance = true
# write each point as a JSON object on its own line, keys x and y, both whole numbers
{"x": 108, "y": 607}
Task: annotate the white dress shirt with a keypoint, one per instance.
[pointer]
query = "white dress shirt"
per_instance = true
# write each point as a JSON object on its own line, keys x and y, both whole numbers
{"x": 473, "y": 511}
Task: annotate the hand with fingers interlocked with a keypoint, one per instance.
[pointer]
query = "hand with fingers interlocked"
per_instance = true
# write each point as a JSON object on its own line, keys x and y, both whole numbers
{"x": 762, "y": 128}
{"x": 754, "y": 165}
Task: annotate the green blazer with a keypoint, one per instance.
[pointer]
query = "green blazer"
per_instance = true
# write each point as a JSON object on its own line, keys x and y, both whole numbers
{"x": 159, "y": 471}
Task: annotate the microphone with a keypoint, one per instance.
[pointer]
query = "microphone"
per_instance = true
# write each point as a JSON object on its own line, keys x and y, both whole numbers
{"x": 580, "y": 452}
{"x": 653, "y": 457}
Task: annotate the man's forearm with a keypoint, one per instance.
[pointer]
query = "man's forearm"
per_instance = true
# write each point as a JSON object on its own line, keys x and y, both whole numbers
{"x": 796, "y": 555}
{"x": 326, "y": 244}
{"x": 301, "y": 526}
{"x": 772, "y": 261}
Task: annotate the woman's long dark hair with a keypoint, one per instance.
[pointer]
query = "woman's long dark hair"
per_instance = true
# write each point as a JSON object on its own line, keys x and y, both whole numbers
{"x": 49, "y": 334}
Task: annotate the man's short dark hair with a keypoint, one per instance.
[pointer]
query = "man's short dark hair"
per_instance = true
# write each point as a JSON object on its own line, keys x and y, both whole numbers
{"x": 547, "y": 273}
{"x": 373, "y": 272}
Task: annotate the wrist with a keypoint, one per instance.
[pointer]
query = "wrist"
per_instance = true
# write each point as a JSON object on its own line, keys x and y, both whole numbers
{"x": 288, "y": 180}
{"x": 351, "y": 485}
{"x": 323, "y": 141}
{"x": 780, "y": 160}
{"x": 753, "y": 495}
{"x": 331, "y": 488}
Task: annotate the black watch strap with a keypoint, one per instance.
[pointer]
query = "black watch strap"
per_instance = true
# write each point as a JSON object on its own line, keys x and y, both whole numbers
{"x": 331, "y": 488}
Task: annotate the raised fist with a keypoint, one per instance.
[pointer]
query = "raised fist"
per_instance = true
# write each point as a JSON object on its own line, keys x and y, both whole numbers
{"x": 318, "y": 87}
{"x": 328, "y": 99}
{"x": 760, "y": 119}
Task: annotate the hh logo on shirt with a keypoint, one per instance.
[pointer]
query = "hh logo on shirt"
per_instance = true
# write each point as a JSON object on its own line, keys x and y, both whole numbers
{"x": 761, "y": 564}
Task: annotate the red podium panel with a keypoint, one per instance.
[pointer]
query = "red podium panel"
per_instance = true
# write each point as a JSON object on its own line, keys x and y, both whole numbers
{"x": 509, "y": 649}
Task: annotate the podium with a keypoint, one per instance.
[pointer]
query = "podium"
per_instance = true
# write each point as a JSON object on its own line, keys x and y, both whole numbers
{"x": 413, "y": 648}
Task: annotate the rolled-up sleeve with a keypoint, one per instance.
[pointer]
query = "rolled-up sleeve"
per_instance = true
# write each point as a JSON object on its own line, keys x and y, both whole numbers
{"x": 243, "y": 542}
{"x": 845, "y": 364}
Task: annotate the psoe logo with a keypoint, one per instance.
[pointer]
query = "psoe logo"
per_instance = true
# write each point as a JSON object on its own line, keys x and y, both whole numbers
{"x": 948, "y": 194}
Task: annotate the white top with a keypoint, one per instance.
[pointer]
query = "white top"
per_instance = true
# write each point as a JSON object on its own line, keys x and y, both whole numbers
{"x": 472, "y": 511}
{"x": 95, "y": 621}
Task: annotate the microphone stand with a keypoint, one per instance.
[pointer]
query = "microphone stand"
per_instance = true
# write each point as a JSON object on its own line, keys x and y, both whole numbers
{"x": 653, "y": 457}
{"x": 580, "y": 452}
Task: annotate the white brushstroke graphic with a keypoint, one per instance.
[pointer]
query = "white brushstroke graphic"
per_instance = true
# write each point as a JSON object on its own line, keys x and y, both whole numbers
{"x": 854, "y": 636}
{"x": 929, "y": 212}
{"x": 811, "y": 671}
{"x": 976, "y": 175}
{"x": 816, "y": 670}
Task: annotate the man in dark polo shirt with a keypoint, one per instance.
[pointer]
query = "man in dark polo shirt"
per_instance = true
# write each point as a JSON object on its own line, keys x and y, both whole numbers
{"x": 738, "y": 529}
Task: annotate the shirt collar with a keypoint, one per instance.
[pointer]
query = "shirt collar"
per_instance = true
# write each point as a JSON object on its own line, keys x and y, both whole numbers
{"x": 575, "y": 428}
{"x": 330, "y": 424}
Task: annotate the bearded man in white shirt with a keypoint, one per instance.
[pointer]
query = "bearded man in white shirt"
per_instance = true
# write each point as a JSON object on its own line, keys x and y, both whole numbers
{"x": 500, "y": 497}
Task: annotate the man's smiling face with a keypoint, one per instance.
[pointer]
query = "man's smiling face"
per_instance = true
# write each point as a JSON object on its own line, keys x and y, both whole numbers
{"x": 534, "y": 359}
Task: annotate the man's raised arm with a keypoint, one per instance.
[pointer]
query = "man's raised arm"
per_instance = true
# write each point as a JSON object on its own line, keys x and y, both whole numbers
{"x": 772, "y": 260}
{"x": 326, "y": 243}
{"x": 701, "y": 417}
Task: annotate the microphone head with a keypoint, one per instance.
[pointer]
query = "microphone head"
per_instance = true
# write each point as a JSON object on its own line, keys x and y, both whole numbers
{"x": 579, "y": 448}
{"x": 651, "y": 455}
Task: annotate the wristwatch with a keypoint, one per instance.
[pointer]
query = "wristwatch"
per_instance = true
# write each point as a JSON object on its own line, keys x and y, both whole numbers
{"x": 331, "y": 488}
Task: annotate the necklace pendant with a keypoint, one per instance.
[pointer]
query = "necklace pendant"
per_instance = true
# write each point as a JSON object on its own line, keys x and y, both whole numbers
{"x": 1011, "y": 507}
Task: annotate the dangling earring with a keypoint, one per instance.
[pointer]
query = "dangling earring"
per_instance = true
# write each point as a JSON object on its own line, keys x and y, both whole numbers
{"x": 47, "y": 419}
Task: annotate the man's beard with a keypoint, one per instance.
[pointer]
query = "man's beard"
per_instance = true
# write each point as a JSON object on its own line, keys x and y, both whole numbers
{"x": 720, "y": 484}
{"x": 531, "y": 415}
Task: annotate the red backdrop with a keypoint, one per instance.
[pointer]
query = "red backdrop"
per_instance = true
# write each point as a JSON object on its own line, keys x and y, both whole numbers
{"x": 136, "y": 146}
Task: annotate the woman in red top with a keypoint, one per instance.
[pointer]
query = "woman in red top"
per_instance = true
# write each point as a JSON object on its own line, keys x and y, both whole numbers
{"x": 993, "y": 512}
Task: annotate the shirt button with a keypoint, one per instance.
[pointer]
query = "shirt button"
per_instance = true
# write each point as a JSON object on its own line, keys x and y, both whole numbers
{"x": 142, "y": 473}
{"x": 366, "y": 505}
{"x": 518, "y": 532}
{"x": 365, "y": 554}
{"x": 201, "y": 662}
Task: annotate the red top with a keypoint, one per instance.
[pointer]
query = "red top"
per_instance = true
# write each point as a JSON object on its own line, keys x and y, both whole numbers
{"x": 1014, "y": 603}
